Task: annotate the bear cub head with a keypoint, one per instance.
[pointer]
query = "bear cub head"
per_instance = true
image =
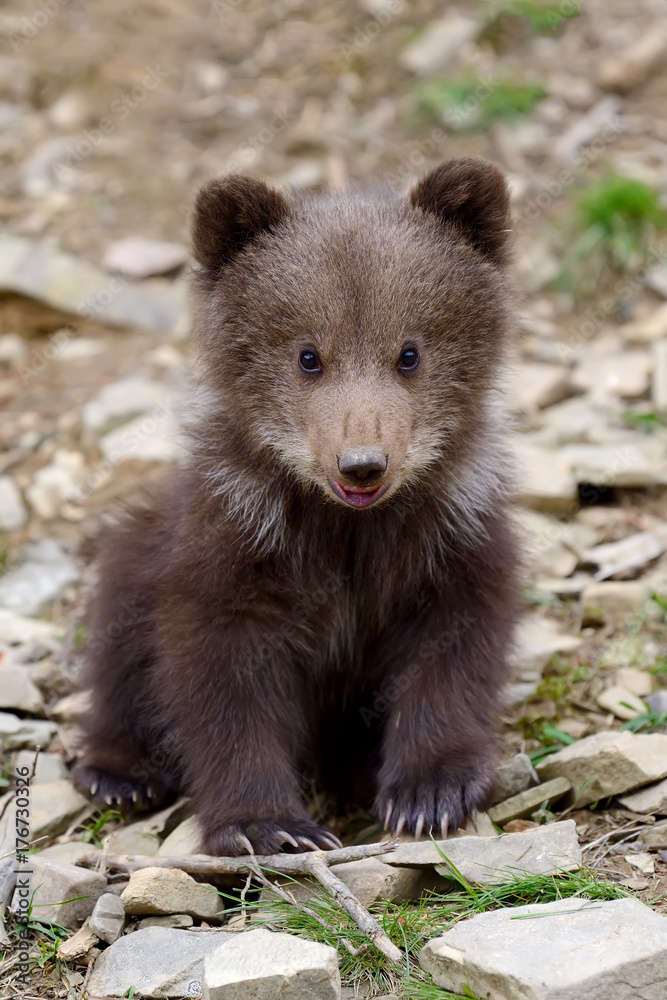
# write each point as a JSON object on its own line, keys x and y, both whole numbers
{"x": 352, "y": 341}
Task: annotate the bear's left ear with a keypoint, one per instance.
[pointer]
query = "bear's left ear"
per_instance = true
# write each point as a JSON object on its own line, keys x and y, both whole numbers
{"x": 472, "y": 196}
{"x": 229, "y": 214}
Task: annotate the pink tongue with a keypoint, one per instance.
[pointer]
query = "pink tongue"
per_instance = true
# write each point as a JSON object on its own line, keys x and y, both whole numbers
{"x": 360, "y": 498}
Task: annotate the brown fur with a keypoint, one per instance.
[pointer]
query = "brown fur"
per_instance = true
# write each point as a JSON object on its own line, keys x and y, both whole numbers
{"x": 273, "y": 631}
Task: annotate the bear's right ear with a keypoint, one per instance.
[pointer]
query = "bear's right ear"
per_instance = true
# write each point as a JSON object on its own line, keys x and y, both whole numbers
{"x": 230, "y": 213}
{"x": 471, "y": 196}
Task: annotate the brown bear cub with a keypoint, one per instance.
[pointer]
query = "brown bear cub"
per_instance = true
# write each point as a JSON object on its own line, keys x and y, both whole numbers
{"x": 326, "y": 588}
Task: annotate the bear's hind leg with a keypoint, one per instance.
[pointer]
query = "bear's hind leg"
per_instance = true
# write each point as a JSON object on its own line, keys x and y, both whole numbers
{"x": 126, "y": 763}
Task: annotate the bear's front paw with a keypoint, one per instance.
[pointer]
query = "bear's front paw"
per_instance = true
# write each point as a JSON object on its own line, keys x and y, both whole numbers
{"x": 434, "y": 804}
{"x": 120, "y": 792}
{"x": 267, "y": 836}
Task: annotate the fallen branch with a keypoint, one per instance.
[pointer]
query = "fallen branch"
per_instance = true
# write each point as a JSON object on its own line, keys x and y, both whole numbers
{"x": 293, "y": 901}
{"x": 313, "y": 863}
{"x": 349, "y": 902}
{"x": 206, "y": 864}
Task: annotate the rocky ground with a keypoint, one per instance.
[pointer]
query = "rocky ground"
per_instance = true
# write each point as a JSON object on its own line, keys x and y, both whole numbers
{"x": 111, "y": 116}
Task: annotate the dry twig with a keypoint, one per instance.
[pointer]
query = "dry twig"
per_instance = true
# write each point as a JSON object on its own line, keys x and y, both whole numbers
{"x": 313, "y": 863}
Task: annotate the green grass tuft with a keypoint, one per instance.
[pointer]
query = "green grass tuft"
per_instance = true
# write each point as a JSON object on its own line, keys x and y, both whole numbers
{"x": 540, "y": 17}
{"x": 616, "y": 220}
{"x": 473, "y": 103}
{"x": 647, "y": 722}
{"x": 411, "y": 925}
{"x": 94, "y": 831}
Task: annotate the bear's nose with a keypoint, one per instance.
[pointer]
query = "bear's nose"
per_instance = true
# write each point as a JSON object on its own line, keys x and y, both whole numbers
{"x": 362, "y": 464}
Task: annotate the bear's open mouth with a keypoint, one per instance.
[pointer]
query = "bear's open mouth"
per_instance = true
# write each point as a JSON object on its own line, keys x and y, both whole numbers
{"x": 358, "y": 496}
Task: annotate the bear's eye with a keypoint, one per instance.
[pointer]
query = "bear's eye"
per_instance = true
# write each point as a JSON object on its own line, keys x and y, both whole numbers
{"x": 309, "y": 361}
{"x": 409, "y": 359}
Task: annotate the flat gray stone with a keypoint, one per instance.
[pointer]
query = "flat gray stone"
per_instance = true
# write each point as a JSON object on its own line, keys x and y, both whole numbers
{"x": 185, "y": 839}
{"x": 608, "y": 763}
{"x": 537, "y": 639}
{"x": 658, "y": 701}
{"x": 571, "y": 420}
{"x": 50, "y": 766}
{"x": 151, "y": 438}
{"x": 13, "y": 349}
{"x": 40, "y": 579}
{"x": 138, "y": 257}
{"x": 626, "y": 375}
{"x": 572, "y": 949}
{"x": 656, "y": 279}
{"x": 628, "y": 68}
{"x": 72, "y": 707}
{"x": 623, "y": 463}
{"x": 19, "y": 734}
{"x": 514, "y": 776}
{"x": 526, "y": 802}
{"x": 119, "y": 401}
{"x": 639, "y": 682}
{"x": 13, "y": 512}
{"x": 489, "y": 860}
{"x": 654, "y": 326}
{"x": 655, "y": 836}
{"x": 53, "y": 807}
{"x": 18, "y": 691}
{"x": 156, "y": 891}
{"x": 371, "y": 880}
{"x": 16, "y": 629}
{"x": 652, "y": 799}
{"x": 659, "y": 384}
{"x": 262, "y": 965}
{"x": 70, "y": 852}
{"x": 537, "y": 385}
{"x": 181, "y": 920}
{"x": 440, "y": 43}
{"x": 630, "y": 553}
{"x": 61, "y": 894}
{"x": 41, "y": 271}
{"x": 613, "y": 601}
{"x": 544, "y": 544}
{"x": 623, "y": 703}
{"x": 166, "y": 820}
{"x": 107, "y": 918}
{"x": 56, "y": 483}
{"x": 546, "y": 479}
{"x": 39, "y": 177}
{"x": 132, "y": 839}
{"x": 158, "y": 962}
